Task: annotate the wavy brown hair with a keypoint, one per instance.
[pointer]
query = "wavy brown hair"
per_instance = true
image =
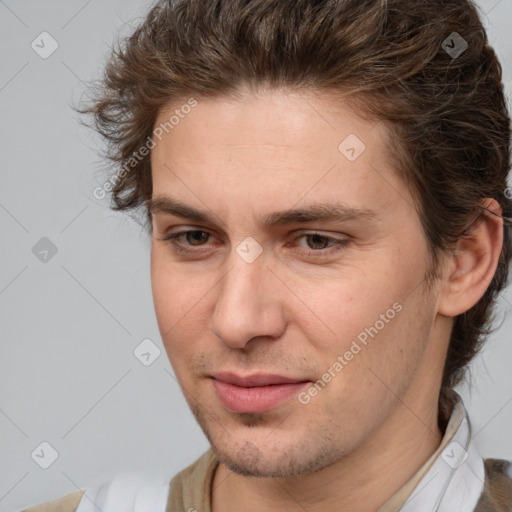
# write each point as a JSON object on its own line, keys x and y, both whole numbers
{"x": 448, "y": 118}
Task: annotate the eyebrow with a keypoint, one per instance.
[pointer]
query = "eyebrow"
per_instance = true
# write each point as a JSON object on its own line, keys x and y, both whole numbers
{"x": 310, "y": 213}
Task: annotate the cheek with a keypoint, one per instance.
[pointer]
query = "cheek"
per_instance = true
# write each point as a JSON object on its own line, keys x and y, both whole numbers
{"x": 183, "y": 308}
{"x": 176, "y": 298}
{"x": 367, "y": 318}
{"x": 341, "y": 309}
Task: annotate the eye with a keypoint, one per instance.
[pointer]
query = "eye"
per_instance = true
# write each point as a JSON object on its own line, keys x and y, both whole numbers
{"x": 195, "y": 236}
{"x": 317, "y": 240}
{"x": 318, "y": 244}
{"x": 191, "y": 236}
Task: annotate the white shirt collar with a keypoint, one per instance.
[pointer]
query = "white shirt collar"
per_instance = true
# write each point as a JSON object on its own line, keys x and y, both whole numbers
{"x": 455, "y": 480}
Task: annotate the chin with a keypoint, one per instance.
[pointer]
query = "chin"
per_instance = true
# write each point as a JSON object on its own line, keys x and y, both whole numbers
{"x": 265, "y": 445}
{"x": 271, "y": 461}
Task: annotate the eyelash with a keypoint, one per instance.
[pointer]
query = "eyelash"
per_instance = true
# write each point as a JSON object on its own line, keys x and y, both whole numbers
{"x": 336, "y": 247}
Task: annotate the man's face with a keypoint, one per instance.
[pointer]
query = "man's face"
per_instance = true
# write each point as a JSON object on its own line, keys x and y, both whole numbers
{"x": 255, "y": 299}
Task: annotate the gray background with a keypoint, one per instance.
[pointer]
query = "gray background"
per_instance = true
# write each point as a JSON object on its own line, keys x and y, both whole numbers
{"x": 69, "y": 325}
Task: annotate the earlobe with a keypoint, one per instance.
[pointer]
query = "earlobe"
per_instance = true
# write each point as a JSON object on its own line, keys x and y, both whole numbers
{"x": 473, "y": 262}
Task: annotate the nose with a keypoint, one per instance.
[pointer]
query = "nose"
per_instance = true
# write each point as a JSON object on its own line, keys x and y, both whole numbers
{"x": 248, "y": 303}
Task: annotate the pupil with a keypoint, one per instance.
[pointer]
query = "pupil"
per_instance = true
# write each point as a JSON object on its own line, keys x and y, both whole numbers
{"x": 316, "y": 237}
{"x": 195, "y": 238}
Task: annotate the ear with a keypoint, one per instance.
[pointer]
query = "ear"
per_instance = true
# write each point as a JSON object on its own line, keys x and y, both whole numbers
{"x": 473, "y": 263}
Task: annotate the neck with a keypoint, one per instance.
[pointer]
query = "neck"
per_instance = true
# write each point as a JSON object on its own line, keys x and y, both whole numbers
{"x": 363, "y": 480}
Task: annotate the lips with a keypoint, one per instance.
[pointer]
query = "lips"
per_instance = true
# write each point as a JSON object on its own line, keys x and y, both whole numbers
{"x": 258, "y": 379}
{"x": 255, "y": 393}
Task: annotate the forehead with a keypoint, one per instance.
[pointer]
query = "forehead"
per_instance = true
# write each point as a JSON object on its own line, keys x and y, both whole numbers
{"x": 272, "y": 148}
{"x": 276, "y": 118}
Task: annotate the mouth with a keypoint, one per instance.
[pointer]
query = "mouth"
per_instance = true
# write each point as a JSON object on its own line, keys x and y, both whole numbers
{"x": 255, "y": 393}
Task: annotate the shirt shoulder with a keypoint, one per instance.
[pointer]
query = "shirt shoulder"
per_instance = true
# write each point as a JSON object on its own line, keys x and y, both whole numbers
{"x": 132, "y": 491}
{"x": 497, "y": 493}
{"x": 190, "y": 489}
{"x": 68, "y": 503}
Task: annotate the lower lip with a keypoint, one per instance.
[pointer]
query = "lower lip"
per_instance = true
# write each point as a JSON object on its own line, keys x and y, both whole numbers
{"x": 255, "y": 399}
